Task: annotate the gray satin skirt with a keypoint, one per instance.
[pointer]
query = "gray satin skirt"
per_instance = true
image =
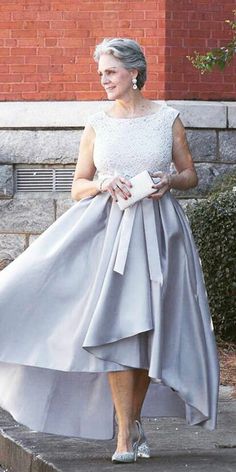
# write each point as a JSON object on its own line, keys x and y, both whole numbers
{"x": 104, "y": 290}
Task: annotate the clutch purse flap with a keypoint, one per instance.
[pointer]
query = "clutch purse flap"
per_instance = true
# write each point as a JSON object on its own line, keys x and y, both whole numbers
{"x": 141, "y": 188}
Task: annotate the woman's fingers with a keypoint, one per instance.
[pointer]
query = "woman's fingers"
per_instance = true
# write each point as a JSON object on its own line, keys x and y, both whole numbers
{"x": 120, "y": 185}
{"x": 161, "y": 187}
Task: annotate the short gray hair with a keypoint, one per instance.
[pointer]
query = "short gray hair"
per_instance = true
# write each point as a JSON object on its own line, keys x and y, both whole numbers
{"x": 128, "y": 52}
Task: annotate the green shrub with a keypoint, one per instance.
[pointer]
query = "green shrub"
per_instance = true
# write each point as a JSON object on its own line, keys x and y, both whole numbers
{"x": 213, "y": 223}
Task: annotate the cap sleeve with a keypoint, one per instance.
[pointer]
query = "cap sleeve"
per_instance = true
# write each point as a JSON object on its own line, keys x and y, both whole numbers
{"x": 173, "y": 114}
{"x": 93, "y": 120}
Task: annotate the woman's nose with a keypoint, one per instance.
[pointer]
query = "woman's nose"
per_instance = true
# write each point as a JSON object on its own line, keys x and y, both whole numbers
{"x": 104, "y": 79}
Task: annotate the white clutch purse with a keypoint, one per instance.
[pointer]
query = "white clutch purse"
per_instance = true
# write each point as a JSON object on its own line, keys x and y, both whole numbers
{"x": 141, "y": 188}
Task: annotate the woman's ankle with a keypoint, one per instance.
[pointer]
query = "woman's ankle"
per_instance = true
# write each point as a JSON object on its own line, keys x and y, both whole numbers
{"x": 125, "y": 436}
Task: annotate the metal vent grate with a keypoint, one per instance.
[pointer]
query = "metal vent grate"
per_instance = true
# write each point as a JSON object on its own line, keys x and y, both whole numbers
{"x": 44, "y": 180}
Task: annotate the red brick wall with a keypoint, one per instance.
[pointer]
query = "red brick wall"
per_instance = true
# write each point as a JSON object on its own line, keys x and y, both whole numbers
{"x": 46, "y": 46}
{"x": 197, "y": 25}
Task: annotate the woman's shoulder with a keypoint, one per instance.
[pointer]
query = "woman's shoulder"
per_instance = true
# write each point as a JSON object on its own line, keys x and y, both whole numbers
{"x": 95, "y": 118}
{"x": 170, "y": 113}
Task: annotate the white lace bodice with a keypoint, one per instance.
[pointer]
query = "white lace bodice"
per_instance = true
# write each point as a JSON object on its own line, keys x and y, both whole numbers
{"x": 127, "y": 146}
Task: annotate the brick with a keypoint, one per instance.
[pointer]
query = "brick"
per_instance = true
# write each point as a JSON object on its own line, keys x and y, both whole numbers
{"x": 91, "y": 6}
{"x": 54, "y": 87}
{"x": 50, "y": 69}
{"x": 77, "y": 68}
{"x": 49, "y": 33}
{"x": 22, "y": 15}
{"x": 4, "y": 69}
{"x": 71, "y": 43}
{"x": 5, "y": 87}
{"x": 63, "y": 78}
{"x": 22, "y": 68}
{"x": 48, "y": 51}
{"x": 36, "y": 25}
{"x": 24, "y": 87}
{"x": 5, "y": 33}
{"x": 140, "y": 15}
{"x": 30, "y": 42}
{"x": 37, "y": 59}
{"x": 48, "y": 15}
{"x": 10, "y": 43}
{"x": 81, "y": 86}
{"x": 11, "y": 7}
{"x": 11, "y": 78}
{"x": 148, "y": 6}
{"x": 23, "y": 33}
{"x": 23, "y": 51}
{"x": 78, "y": 33}
{"x": 67, "y": 15}
{"x": 63, "y": 24}
{"x": 50, "y": 42}
{"x": 4, "y": 52}
{"x": 12, "y": 60}
{"x": 37, "y": 78}
{"x": 6, "y": 16}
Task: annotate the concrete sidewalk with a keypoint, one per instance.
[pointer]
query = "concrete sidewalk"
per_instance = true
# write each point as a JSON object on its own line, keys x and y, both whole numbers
{"x": 175, "y": 447}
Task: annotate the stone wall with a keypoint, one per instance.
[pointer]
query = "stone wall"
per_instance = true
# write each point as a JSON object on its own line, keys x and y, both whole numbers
{"x": 42, "y": 134}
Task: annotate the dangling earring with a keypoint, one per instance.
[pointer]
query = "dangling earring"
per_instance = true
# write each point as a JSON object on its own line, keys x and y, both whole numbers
{"x": 134, "y": 80}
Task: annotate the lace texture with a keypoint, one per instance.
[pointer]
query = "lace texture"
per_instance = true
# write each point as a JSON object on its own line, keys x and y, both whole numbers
{"x": 127, "y": 146}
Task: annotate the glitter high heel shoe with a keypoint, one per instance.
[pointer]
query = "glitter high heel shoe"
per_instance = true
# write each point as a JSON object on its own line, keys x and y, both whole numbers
{"x": 143, "y": 449}
{"x": 127, "y": 457}
{"x": 124, "y": 457}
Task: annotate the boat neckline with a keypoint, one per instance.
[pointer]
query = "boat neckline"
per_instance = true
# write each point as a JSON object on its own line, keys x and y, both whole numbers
{"x": 134, "y": 117}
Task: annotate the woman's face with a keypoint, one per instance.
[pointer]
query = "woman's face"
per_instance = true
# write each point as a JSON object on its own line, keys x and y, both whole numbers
{"x": 116, "y": 80}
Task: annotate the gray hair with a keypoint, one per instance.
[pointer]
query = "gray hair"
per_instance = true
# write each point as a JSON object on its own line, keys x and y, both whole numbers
{"x": 128, "y": 52}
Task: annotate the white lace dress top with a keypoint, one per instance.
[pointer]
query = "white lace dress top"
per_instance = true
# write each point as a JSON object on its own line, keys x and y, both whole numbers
{"x": 127, "y": 146}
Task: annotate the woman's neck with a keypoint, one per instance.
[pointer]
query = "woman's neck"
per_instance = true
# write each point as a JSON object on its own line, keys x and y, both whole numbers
{"x": 131, "y": 108}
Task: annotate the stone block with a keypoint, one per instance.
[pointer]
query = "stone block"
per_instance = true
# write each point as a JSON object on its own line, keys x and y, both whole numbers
{"x": 52, "y": 114}
{"x": 62, "y": 205}
{"x": 202, "y": 144}
{"x": 30, "y": 215}
{"x": 39, "y": 147}
{"x": 199, "y": 114}
{"x": 227, "y": 146}
{"x": 207, "y": 175}
{"x": 33, "y": 238}
{"x": 11, "y": 246}
{"x": 6, "y": 181}
{"x": 231, "y": 114}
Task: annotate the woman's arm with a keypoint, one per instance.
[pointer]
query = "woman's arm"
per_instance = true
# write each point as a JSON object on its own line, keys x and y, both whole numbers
{"x": 186, "y": 176}
{"x": 83, "y": 184}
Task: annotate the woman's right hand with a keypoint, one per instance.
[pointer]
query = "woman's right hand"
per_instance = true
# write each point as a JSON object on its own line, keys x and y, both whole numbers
{"x": 117, "y": 186}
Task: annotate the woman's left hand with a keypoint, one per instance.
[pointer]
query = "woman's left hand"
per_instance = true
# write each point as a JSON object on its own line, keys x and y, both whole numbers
{"x": 162, "y": 186}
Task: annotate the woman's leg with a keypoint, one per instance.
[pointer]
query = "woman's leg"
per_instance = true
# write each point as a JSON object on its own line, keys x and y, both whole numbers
{"x": 128, "y": 390}
{"x": 122, "y": 390}
{"x": 140, "y": 389}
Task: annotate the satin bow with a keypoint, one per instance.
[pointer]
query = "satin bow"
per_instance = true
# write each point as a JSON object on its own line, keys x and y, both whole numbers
{"x": 153, "y": 253}
{"x": 152, "y": 247}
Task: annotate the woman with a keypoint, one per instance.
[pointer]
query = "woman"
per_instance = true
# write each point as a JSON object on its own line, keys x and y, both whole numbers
{"x": 106, "y": 300}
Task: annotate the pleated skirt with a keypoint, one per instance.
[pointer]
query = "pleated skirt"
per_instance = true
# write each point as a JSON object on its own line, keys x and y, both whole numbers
{"x": 107, "y": 290}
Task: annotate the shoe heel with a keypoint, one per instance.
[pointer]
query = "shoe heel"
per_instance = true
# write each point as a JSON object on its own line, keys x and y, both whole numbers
{"x": 143, "y": 449}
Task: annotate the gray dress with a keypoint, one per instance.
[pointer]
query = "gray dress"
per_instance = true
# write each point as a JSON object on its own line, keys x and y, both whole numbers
{"x": 108, "y": 290}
